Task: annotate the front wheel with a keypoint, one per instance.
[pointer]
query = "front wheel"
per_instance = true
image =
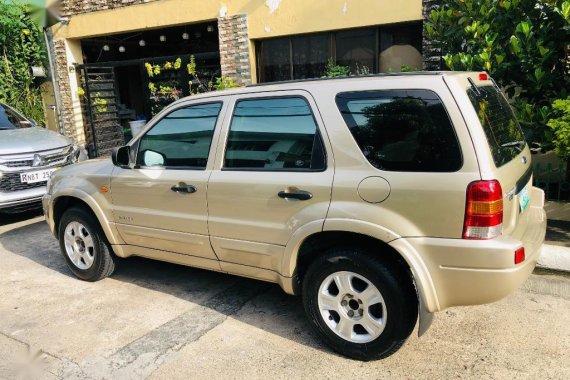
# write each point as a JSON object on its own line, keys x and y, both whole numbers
{"x": 84, "y": 245}
{"x": 363, "y": 307}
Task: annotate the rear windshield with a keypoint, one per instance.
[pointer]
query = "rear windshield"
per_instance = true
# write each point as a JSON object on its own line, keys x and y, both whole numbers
{"x": 11, "y": 120}
{"x": 501, "y": 127}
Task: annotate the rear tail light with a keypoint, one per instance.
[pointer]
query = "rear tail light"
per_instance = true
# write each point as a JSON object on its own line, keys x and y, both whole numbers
{"x": 519, "y": 255}
{"x": 483, "y": 210}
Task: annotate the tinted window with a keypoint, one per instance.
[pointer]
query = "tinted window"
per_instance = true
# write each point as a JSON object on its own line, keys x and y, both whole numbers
{"x": 402, "y": 130}
{"x": 11, "y": 120}
{"x": 274, "y": 134}
{"x": 276, "y": 58}
{"x": 356, "y": 49}
{"x": 182, "y": 138}
{"x": 501, "y": 127}
{"x": 310, "y": 55}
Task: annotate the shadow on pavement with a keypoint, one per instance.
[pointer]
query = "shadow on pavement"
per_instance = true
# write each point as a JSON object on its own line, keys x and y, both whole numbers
{"x": 265, "y": 306}
{"x": 7, "y": 218}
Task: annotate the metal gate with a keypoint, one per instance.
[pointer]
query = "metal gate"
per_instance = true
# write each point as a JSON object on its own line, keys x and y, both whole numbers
{"x": 100, "y": 104}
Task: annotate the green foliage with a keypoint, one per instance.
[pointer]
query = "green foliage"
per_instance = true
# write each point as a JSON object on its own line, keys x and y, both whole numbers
{"x": 333, "y": 70}
{"x": 408, "y": 69}
{"x": 21, "y": 46}
{"x": 521, "y": 43}
{"x": 560, "y": 125}
{"x": 223, "y": 83}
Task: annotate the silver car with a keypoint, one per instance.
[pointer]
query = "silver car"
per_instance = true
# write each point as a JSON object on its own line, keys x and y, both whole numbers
{"x": 28, "y": 156}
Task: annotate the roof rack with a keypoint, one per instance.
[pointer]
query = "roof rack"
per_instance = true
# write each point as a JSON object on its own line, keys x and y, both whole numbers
{"x": 379, "y": 75}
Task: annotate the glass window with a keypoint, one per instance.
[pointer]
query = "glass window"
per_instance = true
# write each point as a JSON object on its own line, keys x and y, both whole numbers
{"x": 356, "y": 48}
{"x": 274, "y": 134}
{"x": 181, "y": 139}
{"x": 276, "y": 60}
{"x": 402, "y": 130}
{"x": 401, "y": 46}
{"x": 501, "y": 127}
{"x": 12, "y": 120}
{"x": 310, "y": 55}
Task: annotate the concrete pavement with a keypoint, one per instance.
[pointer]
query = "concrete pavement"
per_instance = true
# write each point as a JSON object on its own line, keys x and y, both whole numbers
{"x": 162, "y": 321}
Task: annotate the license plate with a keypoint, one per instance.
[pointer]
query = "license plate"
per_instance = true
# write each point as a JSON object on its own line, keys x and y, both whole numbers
{"x": 34, "y": 177}
{"x": 524, "y": 199}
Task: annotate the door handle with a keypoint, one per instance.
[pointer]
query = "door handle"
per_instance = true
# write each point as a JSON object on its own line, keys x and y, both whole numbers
{"x": 189, "y": 189}
{"x": 294, "y": 193}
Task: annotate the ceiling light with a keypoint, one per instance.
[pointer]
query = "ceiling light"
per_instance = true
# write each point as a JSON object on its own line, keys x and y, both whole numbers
{"x": 142, "y": 43}
{"x": 162, "y": 38}
{"x": 185, "y": 36}
{"x": 210, "y": 28}
{"x": 106, "y": 48}
{"x": 122, "y": 49}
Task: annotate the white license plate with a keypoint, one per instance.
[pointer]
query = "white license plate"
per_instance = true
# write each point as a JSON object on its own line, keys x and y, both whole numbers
{"x": 34, "y": 177}
{"x": 524, "y": 199}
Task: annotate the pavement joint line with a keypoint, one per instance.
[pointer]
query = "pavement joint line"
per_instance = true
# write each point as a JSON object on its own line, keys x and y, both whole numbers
{"x": 139, "y": 358}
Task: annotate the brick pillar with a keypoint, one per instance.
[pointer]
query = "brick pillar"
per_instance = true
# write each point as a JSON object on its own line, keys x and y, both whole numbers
{"x": 431, "y": 50}
{"x": 62, "y": 76}
{"x": 234, "y": 48}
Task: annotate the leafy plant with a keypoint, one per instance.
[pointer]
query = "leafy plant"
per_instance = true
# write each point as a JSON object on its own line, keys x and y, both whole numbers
{"x": 21, "y": 46}
{"x": 333, "y": 70}
{"x": 523, "y": 44}
{"x": 560, "y": 125}
{"x": 223, "y": 83}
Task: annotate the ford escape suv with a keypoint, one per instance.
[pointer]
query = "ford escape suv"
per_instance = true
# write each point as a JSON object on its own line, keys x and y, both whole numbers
{"x": 28, "y": 156}
{"x": 379, "y": 199}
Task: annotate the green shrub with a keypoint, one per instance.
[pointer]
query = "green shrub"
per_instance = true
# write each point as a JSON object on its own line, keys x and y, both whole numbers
{"x": 560, "y": 125}
{"x": 523, "y": 44}
{"x": 21, "y": 46}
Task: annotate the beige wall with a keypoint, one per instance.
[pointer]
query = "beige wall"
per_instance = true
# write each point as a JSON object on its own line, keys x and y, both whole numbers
{"x": 268, "y": 18}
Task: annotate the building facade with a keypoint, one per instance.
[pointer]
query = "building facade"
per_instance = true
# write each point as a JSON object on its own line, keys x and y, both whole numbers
{"x": 123, "y": 60}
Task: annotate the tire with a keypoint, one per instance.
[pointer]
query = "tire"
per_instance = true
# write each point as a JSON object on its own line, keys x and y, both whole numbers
{"x": 363, "y": 307}
{"x": 84, "y": 246}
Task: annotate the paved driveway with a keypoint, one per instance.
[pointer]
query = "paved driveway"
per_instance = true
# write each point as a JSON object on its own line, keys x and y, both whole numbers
{"x": 162, "y": 321}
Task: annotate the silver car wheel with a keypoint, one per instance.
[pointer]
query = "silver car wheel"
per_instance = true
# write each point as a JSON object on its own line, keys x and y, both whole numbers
{"x": 79, "y": 245}
{"x": 352, "y": 307}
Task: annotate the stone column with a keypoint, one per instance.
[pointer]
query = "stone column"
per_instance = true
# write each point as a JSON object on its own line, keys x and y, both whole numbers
{"x": 431, "y": 52}
{"x": 234, "y": 48}
{"x": 62, "y": 77}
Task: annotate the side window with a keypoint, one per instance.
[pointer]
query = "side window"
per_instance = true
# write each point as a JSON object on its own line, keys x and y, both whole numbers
{"x": 181, "y": 139}
{"x": 274, "y": 134}
{"x": 402, "y": 130}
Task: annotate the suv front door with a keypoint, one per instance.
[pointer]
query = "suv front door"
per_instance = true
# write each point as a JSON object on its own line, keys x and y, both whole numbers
{"x": 273, "y": 178}
{"x": 161, "y": 203}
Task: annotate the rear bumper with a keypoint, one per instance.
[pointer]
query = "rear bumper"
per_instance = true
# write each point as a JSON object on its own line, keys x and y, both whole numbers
{"x": 472, "y": 272}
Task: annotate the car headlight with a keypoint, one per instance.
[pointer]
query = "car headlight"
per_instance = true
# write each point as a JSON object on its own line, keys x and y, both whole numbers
{"x": 74, "y": 154}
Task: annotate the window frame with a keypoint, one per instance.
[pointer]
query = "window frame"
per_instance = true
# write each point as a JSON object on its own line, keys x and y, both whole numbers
{"x": 453, "y": 127}
{"x": 332, "y": 38}
{"x": 160, "y": 117}
{"x": 318, "y": 134}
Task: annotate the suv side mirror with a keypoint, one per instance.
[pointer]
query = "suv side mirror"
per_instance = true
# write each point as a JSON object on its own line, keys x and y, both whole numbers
{"x": 121, "y": 156}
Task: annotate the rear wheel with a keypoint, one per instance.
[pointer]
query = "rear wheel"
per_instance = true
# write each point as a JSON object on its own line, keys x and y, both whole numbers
{"x": 84, "y": 245}
{"x": 363, "y": 307}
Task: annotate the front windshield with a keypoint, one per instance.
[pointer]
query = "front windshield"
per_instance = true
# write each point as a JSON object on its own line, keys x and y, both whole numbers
{"x": 9, "y": 119}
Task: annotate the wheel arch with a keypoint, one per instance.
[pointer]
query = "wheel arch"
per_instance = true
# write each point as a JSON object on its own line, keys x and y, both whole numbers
{"x": 303, "y": 250}
{"x": 78, "y": 198}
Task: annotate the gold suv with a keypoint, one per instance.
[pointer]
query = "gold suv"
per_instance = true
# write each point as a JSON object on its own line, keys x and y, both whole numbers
{"x": 377, "y": 199}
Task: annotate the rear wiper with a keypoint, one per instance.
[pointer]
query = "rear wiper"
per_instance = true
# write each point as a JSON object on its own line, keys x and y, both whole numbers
{"x": 518, "y": 144}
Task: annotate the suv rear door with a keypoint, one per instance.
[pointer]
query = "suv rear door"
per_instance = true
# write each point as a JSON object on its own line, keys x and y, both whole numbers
{"x": 272, "y": 176}
{"x": 502, "y": 151}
